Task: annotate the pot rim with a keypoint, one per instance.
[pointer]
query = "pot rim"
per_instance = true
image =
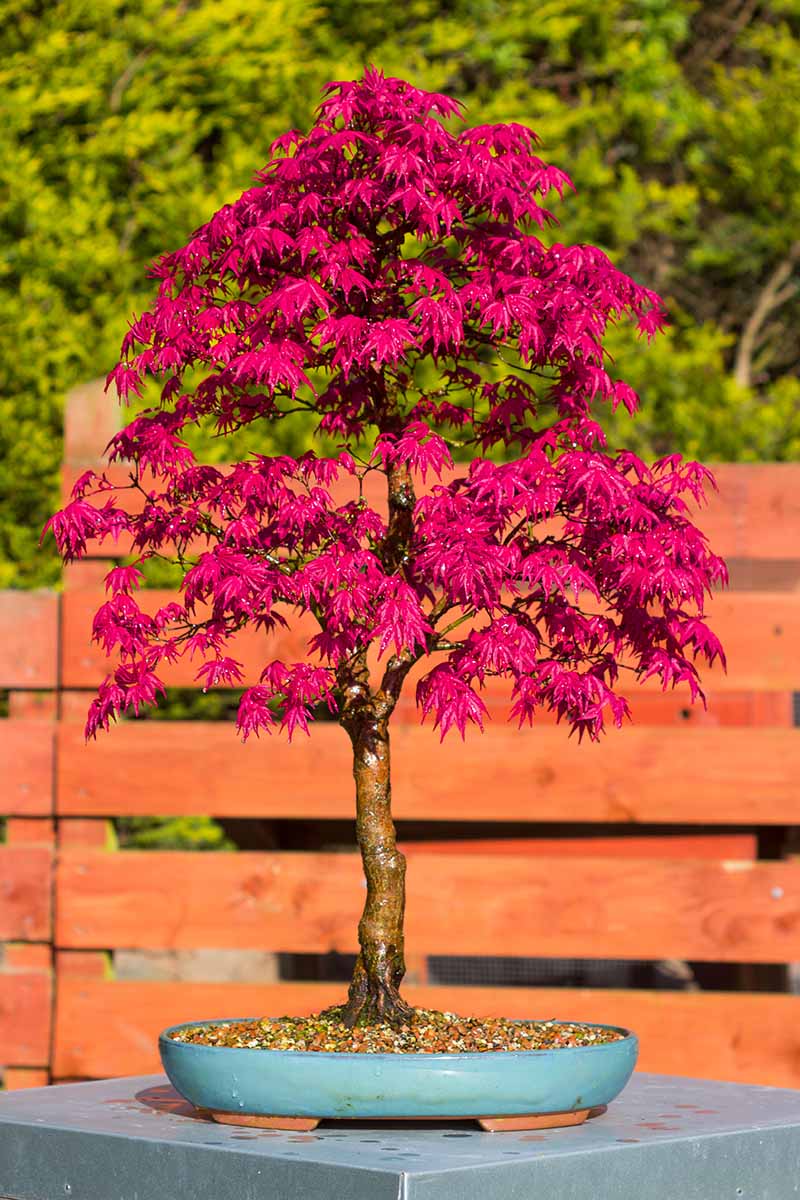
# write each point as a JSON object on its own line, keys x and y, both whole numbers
{"x": 439, "y": 1056}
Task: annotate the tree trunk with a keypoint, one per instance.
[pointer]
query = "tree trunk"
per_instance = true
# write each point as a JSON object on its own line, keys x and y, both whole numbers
{"x": 374, "y": 991}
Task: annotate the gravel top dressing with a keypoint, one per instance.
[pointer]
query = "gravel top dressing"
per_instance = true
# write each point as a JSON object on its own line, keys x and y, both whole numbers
{"x": 428, "y": 1032}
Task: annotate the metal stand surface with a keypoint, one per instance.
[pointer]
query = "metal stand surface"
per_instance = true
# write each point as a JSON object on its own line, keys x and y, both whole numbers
{"x": 665, "y": 1138}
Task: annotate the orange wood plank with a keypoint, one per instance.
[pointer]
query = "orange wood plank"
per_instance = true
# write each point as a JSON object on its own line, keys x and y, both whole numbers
{"x": 17, "y": 1078}
{"x": 85, "y": 573}
{"x": 111, "y": 1028}
{"x": 739, "y": 846}
{"x": 746, "y": 708}
{"x": 760, "y": 633}
{"x": 86, "y": 964}
{"x": 32, "y": 706}
{"x": 750, "y": 709}
{"x": 25, "y": 883}
{"x": 80, "y": 832}
{"x": 74, "y": 706}
{"x": 457, "y": 904}
{"x": 755, "y": 513}
{"x": 677, "y": 775}
{"x": 28, "y": 639}
{"x": 84, "y": 664}
{"x": 27, "y": 956}
{"x": 30, "y": 831}
{"x": 92, "y": 416}
{"x": 25, "y": 1017}
{"x": 763, "y": 574}
{"x": 27, "y": 750}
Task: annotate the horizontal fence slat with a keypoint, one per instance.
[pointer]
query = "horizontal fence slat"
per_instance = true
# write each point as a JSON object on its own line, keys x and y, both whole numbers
{"x": 28, "y": 639}
{"x": 549, "y": 907}
{"x": 737, "y": 846}
{"x": 84, "y": 664}
{"x": 17, "y": 1078}
{"x": 744, "y": 708}
{"x": 754, "y": 514}
{"x": 691, "y": 775}
{"x": 756, "y": 511}
{"x": 744, "y": 574}
{"x": 25, "y": 886}
{"x": 741, "y": 709}
{"x": 759, "y": 630}
{"x": 27, "y": 751}
{"x": 24, "y": 1018}
{"x": 713, "y": 1035}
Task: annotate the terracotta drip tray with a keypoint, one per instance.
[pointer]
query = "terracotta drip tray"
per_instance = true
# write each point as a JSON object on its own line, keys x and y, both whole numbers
{"x": 490, "y": 1124}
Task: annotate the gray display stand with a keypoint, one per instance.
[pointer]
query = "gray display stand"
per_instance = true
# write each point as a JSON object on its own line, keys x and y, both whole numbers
{"x": 664, "y": 1139}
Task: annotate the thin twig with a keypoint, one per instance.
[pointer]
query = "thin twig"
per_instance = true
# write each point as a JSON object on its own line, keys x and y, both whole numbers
{"x": 773, "y": 294}
{"x": 115, "y": 96}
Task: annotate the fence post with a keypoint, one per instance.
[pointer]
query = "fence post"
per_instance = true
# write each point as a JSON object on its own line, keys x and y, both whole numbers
{"x": 91, "y": 418}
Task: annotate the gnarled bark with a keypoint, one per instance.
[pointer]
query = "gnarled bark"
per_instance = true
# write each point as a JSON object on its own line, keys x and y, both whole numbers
{"x": 374, "y": 991}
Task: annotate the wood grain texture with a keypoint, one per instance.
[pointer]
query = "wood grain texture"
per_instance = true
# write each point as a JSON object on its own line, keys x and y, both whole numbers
{"x": 27, "y": 750}
{"x": 754, "y": 514}
{"x": 25, "y": 997}
{"x": 676, "y": 775}
{"x": 457, "y": 904}
{"x": 739, "y": 708}
{"x": 28, "y": 639}
{"x": 746, "y": 709}
{"x": 759, "y": 630}
{"x": 713, "y": 1035}
{"x": 739, "y": 846}
{"x": 25, "y": 885}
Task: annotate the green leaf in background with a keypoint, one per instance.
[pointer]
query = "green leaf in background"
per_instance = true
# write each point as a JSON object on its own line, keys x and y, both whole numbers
{"x": 124, "y": 126}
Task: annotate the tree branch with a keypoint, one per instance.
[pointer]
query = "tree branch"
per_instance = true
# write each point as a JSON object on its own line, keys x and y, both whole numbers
{"x": 731, "y": 18}
{"x": 394, "y": 676}
{"x": 773, "y": 294}
{"x": 735, "y": 27}
{"x": 115, "y": 96}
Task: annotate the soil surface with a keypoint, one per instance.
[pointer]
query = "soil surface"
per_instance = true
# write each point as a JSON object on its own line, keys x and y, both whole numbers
{"x": 428, "y": 1032}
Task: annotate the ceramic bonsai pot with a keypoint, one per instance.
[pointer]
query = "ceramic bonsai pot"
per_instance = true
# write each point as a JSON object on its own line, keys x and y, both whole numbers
{"x": 291, "y": 1089}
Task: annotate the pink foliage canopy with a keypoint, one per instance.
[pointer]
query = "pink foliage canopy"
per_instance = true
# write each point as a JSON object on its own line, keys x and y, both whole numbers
{"x": 388, "y": 274}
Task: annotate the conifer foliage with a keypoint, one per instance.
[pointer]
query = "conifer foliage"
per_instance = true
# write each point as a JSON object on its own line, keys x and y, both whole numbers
{"x": 396, "y": 274}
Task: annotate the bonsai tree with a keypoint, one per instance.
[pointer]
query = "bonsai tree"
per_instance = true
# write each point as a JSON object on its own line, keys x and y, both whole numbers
{"x": 390, "y": 276}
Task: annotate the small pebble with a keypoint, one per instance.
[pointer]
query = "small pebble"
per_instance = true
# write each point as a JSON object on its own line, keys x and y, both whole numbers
{"x": 428, "y": 1032}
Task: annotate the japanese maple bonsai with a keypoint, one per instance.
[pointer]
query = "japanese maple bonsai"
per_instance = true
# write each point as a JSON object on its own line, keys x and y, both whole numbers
{"x": 388, "y": 273}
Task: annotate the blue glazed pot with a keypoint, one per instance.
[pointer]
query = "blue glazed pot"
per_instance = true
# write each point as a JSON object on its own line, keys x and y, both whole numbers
{"x": 320, "y": 1084}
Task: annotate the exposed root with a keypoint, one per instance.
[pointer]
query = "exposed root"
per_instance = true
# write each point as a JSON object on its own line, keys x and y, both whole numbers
{"x": 373, "y": 999}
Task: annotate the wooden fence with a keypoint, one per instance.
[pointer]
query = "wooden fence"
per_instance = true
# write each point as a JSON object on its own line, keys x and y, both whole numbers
{"x": 68, "y": 898}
